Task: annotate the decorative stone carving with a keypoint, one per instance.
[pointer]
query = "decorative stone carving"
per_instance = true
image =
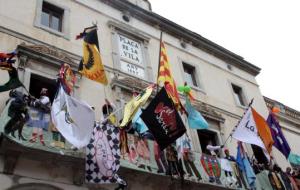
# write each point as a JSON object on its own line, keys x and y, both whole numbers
{"x": 51, "y": 52}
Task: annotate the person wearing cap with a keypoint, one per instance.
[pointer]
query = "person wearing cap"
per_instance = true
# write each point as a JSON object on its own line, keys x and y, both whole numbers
{"x": 228, "y": 169}
{"x": 40, "y": 116}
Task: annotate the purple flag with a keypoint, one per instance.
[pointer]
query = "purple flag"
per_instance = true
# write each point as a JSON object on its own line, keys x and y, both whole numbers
{"x": 279, "y": 140}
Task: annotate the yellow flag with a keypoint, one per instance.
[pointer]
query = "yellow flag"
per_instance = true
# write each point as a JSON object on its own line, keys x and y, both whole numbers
{"x": 134, "y": 104}
{"x": 91, "y": 65}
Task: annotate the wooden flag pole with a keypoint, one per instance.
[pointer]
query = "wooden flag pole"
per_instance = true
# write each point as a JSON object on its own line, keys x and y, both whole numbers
{"x": 249, "y": 105}
{"x": 159, "y": 55}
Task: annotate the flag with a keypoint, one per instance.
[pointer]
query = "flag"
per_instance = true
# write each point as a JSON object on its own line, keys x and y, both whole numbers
{"x": 6, "y": 61}
{"x": 244, "y": 165}
{"x": 253, "y": 129}
{"x": 134, "y": 104}
{"x": 73, "y": 119}
{"x": 163, "y": 120}
{"x": 103, "y": 155}
{"x": 91, "y": 65}
{"x": 263, "y": 130}
{"x": 165, "y": 76}
{"x": 67, "y": 78}
{"x": 13, "y": 81}
{"x": 138, "y": 124}
{"x": 195, "y": 119}
{"x": 280, "y": 141}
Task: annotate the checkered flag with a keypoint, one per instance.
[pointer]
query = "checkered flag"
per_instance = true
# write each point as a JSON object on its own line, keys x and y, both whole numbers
{"x": 103, "y": 155}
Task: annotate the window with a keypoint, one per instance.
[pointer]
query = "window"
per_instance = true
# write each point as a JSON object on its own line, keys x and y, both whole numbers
{"x": 52, "y": 16}
{"x": 190, "y": 75}
{"x": 238, "y": 95}
{"x": 207, "y": 137}
{"x": 38, "y": 82}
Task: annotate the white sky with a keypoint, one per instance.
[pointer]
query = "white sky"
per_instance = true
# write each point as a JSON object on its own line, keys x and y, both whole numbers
{"x": 265, "y": 32}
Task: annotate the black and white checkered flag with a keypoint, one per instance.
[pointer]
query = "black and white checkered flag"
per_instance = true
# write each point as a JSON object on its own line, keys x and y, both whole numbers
{"x": 103, "y": 155}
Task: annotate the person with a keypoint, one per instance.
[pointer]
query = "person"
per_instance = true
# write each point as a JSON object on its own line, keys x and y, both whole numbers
{"x": 174, "y": 167}
{"x": 107, "y": 109}
{"x": 185, "y": 155}
{"x": 292, "y": 180}
{"x": 143, "y": 152}
{"x": 40, "y": 118}
{"x": 226, "y": 166}
{"x": 211, "y": 149}
{"x": 284, "y": 177}
{"x": 160, "y": 159}
{"x": 274, "y": 179}
{"x": 18, "y": 113}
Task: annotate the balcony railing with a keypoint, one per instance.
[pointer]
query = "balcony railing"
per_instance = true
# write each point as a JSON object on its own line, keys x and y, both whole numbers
{"x": 142, "y": 155}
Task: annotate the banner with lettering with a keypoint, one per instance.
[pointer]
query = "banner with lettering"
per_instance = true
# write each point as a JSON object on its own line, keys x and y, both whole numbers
{"x": 163, "y": 120}
{"x": 247, "y": 131}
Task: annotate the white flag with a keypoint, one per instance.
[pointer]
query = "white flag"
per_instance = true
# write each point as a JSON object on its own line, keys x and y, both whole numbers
{"x": 247, "y": 132}
{"x": 73, "y": 119}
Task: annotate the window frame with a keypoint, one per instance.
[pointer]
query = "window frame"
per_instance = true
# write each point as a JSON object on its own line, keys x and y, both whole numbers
{"x": 53, "y": 13}
{"x": 65, "y": 19}
{"x": 187, "y": 67}
{"x": 243, "y": 95}
{"x": 197, "y": 74}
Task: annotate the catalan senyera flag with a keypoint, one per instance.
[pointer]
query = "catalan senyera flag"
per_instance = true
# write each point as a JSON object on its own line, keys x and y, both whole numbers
{"x": 91, "y": 65}
{"x": 165, "y": 77}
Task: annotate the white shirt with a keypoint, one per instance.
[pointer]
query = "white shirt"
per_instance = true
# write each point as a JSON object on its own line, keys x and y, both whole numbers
{"x": 44, "y": 100}
{"x": 212, "y": 149}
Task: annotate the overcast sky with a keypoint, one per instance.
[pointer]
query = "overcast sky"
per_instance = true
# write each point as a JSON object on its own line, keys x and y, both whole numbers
{"x": 265, "y": 32}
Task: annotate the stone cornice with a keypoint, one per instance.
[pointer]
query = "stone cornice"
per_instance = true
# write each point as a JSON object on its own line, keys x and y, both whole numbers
{"x": 48, "y": 54}
{"x": 182, "y": 33}
{"x": 285, "y": 111}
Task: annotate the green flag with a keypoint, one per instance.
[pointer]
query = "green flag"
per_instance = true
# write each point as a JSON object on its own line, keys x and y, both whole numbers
{"x": 13, "y": 81}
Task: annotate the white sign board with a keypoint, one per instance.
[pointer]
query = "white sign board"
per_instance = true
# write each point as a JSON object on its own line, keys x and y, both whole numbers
{"x": 132, "y": 69}
{"x": 130, "y": 50}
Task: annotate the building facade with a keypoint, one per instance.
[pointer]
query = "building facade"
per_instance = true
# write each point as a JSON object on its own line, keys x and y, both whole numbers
{"x": 43, "y": 33}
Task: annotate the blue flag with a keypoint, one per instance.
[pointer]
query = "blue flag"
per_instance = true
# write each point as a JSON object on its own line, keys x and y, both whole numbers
{"x": 279, "y": 140}
{"x": 244, "y": 165}
{"x": 195, "y": 119}
{"x": 138, "y": 124}
{"x": 239, "y": 158}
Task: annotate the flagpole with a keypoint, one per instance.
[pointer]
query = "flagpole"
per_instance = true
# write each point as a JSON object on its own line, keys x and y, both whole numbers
{"x": 249, "y": 105}
{"x": 159, "y": 55}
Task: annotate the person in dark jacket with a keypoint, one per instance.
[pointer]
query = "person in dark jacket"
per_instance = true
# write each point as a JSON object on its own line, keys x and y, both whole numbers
{"x": 18, "y": 113}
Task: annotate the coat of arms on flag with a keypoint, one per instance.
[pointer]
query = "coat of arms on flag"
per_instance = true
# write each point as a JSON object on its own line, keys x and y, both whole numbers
{"x": 163, "y": 120}
{"x": 103, "y": 155}
{"x": 74, "y": 119}
{"x": 91, "y": 65}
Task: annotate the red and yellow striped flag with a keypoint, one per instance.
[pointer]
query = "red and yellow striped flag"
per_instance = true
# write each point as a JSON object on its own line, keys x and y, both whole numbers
{"x": 165, "y": 76}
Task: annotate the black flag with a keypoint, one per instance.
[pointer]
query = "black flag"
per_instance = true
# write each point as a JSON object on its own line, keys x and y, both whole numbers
{"x": 163, "y": 120}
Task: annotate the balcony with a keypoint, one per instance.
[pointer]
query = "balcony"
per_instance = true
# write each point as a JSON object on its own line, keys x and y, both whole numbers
{"x": 137, "y": 171}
